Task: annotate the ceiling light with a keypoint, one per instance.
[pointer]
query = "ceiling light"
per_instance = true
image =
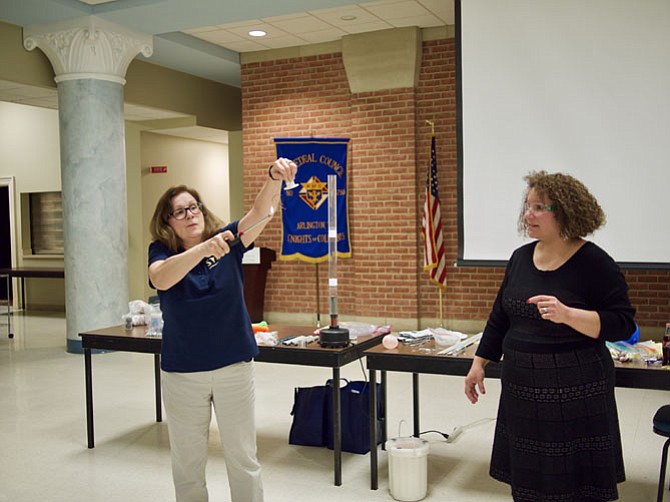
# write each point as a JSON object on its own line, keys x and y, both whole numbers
{"x": 257, "y": 33}
{"x": 348, "y": 18}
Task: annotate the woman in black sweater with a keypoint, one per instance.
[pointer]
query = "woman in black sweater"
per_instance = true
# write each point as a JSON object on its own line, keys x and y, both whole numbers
{"x": 557, "y": 432}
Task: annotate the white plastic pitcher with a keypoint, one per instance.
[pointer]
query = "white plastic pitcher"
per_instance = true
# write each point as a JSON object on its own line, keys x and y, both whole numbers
{"x": 408, "y": 468}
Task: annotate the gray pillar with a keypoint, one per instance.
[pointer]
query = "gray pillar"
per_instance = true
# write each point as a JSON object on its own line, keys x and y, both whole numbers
{"x": 95, "y": 223}
{"x": 90, "y": 58}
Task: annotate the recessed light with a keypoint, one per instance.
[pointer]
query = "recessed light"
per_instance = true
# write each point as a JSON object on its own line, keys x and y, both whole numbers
{"x": 257, "y": 33}
{"x": 348, "y": 18}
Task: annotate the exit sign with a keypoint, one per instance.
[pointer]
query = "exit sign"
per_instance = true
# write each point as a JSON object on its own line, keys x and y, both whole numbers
{"x": 158, "y": 169}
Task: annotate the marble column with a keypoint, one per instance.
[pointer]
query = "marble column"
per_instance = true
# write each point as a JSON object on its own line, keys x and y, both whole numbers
{"x": 90, "y": 57}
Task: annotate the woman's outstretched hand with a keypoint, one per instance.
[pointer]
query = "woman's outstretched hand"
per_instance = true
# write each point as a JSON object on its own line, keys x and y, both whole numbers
{"x": 474, "y": 381}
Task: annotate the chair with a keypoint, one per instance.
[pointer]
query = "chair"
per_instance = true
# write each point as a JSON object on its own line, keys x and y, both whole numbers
{"x": 662, "y": 428}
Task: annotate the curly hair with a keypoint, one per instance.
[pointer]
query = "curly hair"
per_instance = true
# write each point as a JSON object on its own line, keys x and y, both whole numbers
{"x": 162, "y": 231}
{"x": 577, "y": 211}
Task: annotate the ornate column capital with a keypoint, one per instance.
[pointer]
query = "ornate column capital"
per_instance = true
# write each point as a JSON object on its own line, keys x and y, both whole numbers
{"x": 88, "y": 47}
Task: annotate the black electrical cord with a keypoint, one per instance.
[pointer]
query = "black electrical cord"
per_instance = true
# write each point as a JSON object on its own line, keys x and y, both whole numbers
{"x": 449, "y": 438}
{"x": 443, "y": 434}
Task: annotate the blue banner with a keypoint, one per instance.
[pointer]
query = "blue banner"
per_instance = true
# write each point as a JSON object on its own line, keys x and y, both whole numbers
{"x": 305, "y": 208}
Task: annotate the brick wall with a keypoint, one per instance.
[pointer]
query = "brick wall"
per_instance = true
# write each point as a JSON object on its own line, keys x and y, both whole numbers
{"x": 387, "y": 167}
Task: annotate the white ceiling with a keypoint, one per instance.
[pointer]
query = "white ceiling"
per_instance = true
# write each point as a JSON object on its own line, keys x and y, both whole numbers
{"x": 326, "y": 25}
{"x": 206, "y": 37}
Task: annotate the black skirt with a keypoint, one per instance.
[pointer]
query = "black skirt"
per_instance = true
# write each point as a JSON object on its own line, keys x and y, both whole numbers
{"x": 557, "y": 434}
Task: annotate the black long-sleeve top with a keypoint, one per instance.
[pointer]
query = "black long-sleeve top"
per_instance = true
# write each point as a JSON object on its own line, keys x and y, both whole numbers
{"x": 589, "y": 280}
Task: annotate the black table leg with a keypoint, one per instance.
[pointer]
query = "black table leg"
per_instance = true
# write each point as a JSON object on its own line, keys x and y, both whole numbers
{"x": 373, "y": 430}
{"x": 10, "y": 333}
{"x": 415, "y": 397}
{"x": 89, "y": 398}
{"x": 157, "y": 380}
{"x": 337, "y": 427}
{"x": 384, "y": 415}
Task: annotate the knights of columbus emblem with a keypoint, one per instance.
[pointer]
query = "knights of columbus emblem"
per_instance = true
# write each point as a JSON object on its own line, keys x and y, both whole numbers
{"x": 314, "y": 192}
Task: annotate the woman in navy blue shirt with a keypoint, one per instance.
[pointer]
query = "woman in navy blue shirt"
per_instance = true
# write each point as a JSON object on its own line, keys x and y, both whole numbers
{"x": 208, "y": 343}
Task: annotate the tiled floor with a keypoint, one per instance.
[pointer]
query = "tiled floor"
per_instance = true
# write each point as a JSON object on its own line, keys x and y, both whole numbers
{"x": 43, "y": 454}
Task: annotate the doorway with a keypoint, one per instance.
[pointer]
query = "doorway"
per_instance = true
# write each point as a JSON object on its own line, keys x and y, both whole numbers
{"x": 6, "y": 234}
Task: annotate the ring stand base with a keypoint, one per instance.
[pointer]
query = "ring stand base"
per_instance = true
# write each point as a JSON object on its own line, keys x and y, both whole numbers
{"x": 334, "y": 337}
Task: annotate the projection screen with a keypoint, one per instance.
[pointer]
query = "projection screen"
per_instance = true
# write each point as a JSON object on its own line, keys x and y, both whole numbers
{"x": 576, "y": 86}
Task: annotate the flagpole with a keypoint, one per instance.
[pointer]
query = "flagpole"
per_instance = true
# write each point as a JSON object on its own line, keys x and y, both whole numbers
{"x": 441, "y": 314}
{"x": 318, "y": 299}
{"x": 432, "y": 132}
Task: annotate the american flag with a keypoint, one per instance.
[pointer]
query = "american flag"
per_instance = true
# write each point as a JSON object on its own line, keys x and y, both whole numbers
{"x": 434, "y": 261}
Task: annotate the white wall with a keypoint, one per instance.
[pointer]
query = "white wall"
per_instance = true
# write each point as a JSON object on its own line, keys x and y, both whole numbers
{"x": 29, "y": 147}
{"x": 30, "y": 154}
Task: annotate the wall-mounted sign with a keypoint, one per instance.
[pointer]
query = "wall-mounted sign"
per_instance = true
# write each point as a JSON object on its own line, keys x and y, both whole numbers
{"x": 158, "y": 169}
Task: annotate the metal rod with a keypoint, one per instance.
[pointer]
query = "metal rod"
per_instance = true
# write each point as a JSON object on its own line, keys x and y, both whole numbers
{"x": 318, "y": 299}
{"x": 239, "y": 235}
{"x": 213, "y": 261}
{"x": 332, "y": 248}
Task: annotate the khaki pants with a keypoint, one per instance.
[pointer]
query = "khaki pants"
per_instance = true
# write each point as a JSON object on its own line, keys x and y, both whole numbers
{"x": 188, "y": 399}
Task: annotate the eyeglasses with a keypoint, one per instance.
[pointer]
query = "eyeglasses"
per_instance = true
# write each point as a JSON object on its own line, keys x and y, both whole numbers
{"x": 180, "y": 212}
{"x": 539, "y": 208}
